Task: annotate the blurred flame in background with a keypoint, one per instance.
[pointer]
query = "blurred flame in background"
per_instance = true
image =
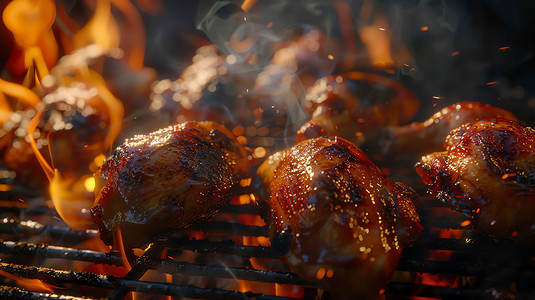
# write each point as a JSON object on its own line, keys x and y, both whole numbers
{"x": 30, "y": 23}
{"x": 363, "y": 38}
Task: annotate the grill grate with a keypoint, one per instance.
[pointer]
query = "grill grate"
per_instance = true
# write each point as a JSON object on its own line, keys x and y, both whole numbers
{"x": 465, "y": 265}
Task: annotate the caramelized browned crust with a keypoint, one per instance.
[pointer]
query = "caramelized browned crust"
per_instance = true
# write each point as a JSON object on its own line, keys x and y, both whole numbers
{"x": 347, "y": 220}
{"x": 487, "y": 172}
{"x": 420, "y": 138}
{"x": 166, "y": 180}
{"x": 355, "y": 105}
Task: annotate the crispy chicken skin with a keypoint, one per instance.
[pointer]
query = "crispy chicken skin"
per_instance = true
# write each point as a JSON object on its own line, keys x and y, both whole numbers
{"x": 166, "y": 180}
{"x": 348, "y": 222}
{"x": 487, "y": 172}
{"x": 428, "y": 136}
{"x": 355, "y": 106}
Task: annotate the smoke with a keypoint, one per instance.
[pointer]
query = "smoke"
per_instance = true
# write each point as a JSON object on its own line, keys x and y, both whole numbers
{"x": 444, "y": 50}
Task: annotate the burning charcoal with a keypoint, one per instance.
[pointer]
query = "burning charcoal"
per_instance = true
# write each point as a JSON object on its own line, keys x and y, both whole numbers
{"x": 487, "y": 172}
{"x": 166, "y": 180}
{"x": 356, "y": 106}
{"x": 428, "y": 136}
{"x": 347, "y": 221}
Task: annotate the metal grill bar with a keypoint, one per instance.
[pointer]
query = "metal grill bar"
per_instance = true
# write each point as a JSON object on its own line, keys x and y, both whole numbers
{"x": 31, "y": 228}
{"x": 408, "y": 289}
{"x": 172, "y": 267}
{"x": 225, "y": 247}
{"x": 442, "y": 267}
{"x": 192, "y": 291}
{"x": 90, "y": 279}
{"x": 231, "y": 228}
{"x": 7, "y": 292}
{"x": 57, "y": 276}
{"x": 48, "y": 251}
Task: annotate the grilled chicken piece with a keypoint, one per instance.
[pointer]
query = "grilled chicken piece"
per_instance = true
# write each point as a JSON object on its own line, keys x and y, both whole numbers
{"x": 420, "y": 138}
{"x": 166, "y": 180}
{"x": 348, "y": 222}
{"x": 355, "y": 106}
{"x": 488, "y": 173}
{"x": 73, "y": 119}
{"x": 210, "y": 89}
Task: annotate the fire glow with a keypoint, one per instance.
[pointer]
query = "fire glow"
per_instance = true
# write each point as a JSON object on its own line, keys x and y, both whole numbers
{"x": 55, "y": 51}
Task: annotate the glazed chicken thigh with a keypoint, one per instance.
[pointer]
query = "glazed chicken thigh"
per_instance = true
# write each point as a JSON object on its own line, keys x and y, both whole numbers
{"x": 488, "y": 173}
{"x": 428, "y": 136}
{"x": 355, "y": 106}
{"x": 166, "y": 180}
{"x": 347, "y": 221}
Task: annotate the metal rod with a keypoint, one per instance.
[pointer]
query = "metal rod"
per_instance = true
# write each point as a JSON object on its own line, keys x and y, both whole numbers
{"x": 446, "y": 267}
{"x": 58, "y": 234}
{"x": 192, "y": 291}
{"x": 189, "y": 269}
{"x": 7, "y": 292}
{"x": 224, "y": 247}
{"x": 48, "y": 251}
{"x": 235, "y": 229}
{"x": 422, "y": 290}
{"x": 57, "y": 276}
{"x": 90, "y": 279}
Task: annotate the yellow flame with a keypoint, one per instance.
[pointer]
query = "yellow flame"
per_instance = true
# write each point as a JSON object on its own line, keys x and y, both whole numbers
{"x": 247, "y": 4}
{"x": 101, "y": 29}
{"x": 28, "y": 20}
{"x": 42, "y": 161}
{"x": 137, "y": 51}
{"x": 377, "y": 41}
{"x": 34, "y": 285}
{"x": 71, "y": 200}
{"x": 113, "y": 105}
{"x": 33, "y": 55}
{"x": 20, "y": 92}
{"x": 118, "y": 240}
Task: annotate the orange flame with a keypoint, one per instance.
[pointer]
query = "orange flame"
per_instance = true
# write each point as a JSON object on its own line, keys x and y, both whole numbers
{"x": 69, "y": 193}
{"x": 34, "y": 285}
{"x": 42, "y": 161}
{"x": 71, "y": 200}
{"x": 248, "y": 4}
{"x": 30, "y": 23}
{"x": 376, "y": 36}
{"x": 20, "y": 92}
{"x": 118, "y": 240}
{"x": 101, "y": 29}
{"x": 137, "y": 41}
{"x": 113, "y": 105}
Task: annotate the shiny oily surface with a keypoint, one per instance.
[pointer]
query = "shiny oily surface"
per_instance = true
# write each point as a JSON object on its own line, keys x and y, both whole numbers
{"x": 487, "y": 172}
{"x": 355, "y": 105}
{"x": 166, "y": 180}
{"x": 348, "y": 222}
{"x": 429, "y": 135}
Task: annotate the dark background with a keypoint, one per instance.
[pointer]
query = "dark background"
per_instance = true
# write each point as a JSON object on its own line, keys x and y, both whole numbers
{"x": 478, "y": 30}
